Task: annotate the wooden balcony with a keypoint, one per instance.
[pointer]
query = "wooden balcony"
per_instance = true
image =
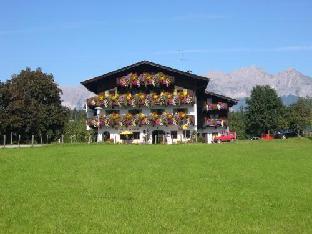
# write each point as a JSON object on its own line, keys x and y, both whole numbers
{"x": 208, "y": 122}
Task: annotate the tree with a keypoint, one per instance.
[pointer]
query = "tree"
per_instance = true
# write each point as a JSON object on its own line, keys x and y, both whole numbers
{"x": 75, "y": 128}
{"x": 264, "y": 111}
{"x": 237, "y": 123}
{"x": 4, "y": 100}
{"x": 33, "y": 105}
{"x": 300, "y": 115}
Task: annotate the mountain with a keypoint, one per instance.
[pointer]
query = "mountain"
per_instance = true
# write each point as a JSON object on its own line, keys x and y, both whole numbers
{"x": 289, "y": 84}
{"x": 238, "y": 84}
{"x": 75, "y": 96}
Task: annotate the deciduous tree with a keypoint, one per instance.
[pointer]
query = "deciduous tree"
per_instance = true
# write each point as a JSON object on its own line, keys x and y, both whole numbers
{"x": 300, "y": 115}
{"x": 264, "y": 111}
{"x": 33, "y": 105}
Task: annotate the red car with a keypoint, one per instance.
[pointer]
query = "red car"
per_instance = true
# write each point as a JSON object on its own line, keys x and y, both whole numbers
{"x": 266, "y": 137}
{"x": 229, "y": 136}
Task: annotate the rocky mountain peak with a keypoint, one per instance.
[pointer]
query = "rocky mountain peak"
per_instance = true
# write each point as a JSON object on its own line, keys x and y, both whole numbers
{"x": 239, "y": 83}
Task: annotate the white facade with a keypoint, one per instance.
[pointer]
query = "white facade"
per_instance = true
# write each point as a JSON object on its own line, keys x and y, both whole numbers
{"x": 146, "y": 135}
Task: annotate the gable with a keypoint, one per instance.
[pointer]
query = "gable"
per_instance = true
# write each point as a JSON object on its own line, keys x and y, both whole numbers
{"x": 110, "y": 80}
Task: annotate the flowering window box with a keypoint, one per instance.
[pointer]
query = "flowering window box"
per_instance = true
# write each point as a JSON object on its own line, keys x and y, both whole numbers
{"x": 140, "y": 100}
{"x": 115, "y": 120}
{"x": 218, "y": 106}
{"x": 215, "y": 123}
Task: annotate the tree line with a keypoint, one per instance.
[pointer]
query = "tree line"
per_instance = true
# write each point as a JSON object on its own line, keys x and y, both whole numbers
{"x": 265, "y": 113}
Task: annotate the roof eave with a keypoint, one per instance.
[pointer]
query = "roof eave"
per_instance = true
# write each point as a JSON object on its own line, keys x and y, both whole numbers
{"x": 94, "y": 79}
{"x": 231, "y": 100}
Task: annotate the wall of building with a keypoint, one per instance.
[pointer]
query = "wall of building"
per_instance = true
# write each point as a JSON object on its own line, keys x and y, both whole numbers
{"x": 146, "y": 134}
{"x": 146, "y": 131}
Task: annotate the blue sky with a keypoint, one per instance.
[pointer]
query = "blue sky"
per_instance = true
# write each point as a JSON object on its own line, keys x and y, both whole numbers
{"x": 76, "y": 40}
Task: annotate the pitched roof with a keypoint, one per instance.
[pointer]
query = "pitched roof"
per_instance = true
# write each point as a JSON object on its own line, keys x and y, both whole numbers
{"x": 231, "y": 100}
{"x": 144, "y": 63}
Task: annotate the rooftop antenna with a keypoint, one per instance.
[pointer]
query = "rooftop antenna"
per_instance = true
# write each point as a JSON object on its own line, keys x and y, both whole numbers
{"x": 182, "y": 59}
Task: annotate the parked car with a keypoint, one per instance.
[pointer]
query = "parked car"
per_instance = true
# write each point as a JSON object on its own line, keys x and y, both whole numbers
{"x": 285, "y": 133}
{"x": 266, "y": 137}
{"x": 229, "y": 136}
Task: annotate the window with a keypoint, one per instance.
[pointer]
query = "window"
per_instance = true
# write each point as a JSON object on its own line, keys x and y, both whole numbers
{"x": 111, "y": 91}
{"x": 186, "y": 133}
{"x": 108, "y": 112}
{"x": 180, "y": 110}
{"x": 136, "y": 135}
{"x": 135, "y": 111}
{"x": 215, "y": 116}
{"x": 174, "y": 134}
{"x": 158, "y": 111}
{"x": 124, "y": 137}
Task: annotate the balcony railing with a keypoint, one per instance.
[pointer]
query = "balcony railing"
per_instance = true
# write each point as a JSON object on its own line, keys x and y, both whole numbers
{"x": 116, "y": 120}
{"x": 215, "y": 122}
{"x": 218, "y": 106}
{"x": 140, "y": 100}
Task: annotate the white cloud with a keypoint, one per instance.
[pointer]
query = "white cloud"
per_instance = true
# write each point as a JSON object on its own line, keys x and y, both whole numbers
{"x": 237, "y": 50}
{"x": 295, "y": 48}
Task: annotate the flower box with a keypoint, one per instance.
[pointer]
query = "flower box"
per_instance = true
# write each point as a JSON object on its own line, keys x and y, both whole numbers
{"x": 115, "y": 120}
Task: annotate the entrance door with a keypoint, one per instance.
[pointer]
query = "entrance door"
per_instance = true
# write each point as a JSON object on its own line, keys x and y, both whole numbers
{"x": 158, "y": 136}
{"x": 106, "y": 136}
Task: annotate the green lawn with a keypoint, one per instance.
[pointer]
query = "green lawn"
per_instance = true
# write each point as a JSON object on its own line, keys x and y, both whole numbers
{"x": 244, "y": 187}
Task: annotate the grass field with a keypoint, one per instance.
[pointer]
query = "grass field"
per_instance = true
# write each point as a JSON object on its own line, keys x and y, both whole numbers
{"x": 243, "y": 187}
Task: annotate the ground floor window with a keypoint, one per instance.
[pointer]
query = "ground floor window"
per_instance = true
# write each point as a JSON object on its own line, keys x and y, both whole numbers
{"x": 174, "y": 134}
{"x": 124, "y": 137}
{"x": 186, "y": 133}
{"x": 136, "y": 135}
